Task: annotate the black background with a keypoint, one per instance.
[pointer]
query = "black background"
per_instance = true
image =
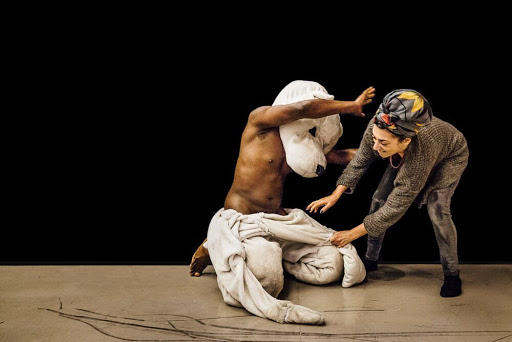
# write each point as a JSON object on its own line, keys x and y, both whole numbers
{"x": 134, "y": 141}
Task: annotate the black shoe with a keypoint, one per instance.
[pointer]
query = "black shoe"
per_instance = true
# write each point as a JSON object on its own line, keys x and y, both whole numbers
{"x": 451, "y": 287}
{"x": 370, "y": 265}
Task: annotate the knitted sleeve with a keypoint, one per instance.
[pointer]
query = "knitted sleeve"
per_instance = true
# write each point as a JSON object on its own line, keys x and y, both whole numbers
{"x": 359, "y": 164}
{"x": 410, "y": 180}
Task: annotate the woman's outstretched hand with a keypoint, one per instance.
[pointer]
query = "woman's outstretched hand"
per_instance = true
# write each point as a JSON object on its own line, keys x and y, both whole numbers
{"x": 325, "y": 202}
{"x": 344, "y": 237}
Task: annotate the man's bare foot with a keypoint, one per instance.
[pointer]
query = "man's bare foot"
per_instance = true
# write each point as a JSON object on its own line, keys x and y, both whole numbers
{"x": 200, "y": 260}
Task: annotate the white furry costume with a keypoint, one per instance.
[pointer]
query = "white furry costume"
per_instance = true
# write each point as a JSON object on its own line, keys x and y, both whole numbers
{"x": 307, "y": 141}
{"x": 248, "y": 253}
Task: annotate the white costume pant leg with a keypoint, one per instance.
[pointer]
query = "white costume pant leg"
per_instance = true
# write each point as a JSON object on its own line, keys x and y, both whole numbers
{"x": 320, "y": 265}
{"x": 247, "y": 252}
{"x": 238, "y": 284}
{"x": 308, "y": 253}
{"x": 264, "y": 259}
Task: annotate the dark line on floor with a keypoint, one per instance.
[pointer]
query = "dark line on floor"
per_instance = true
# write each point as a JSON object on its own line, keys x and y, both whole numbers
{"x": 223, "y": 317}
{"x": 248, "y": 332}
{"x": 355, "y": 310}
{"x": 78, "y": 317}
{"x": 501, "y": 338}
{"x": 96, "y": 313}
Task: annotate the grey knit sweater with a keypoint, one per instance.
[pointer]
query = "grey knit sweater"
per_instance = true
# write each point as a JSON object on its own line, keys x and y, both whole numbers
{"x": 435, "y": 159}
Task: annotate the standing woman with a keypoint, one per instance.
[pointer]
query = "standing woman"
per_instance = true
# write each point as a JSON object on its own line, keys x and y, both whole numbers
{"x": 426, "y": 159}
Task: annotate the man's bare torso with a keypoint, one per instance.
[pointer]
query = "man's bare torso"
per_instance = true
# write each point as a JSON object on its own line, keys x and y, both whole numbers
{"x": 261, "y": 168}
{"x": 260, "y": 173}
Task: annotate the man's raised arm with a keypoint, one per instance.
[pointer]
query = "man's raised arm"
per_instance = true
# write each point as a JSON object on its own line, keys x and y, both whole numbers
{"x": 274, "y": 116}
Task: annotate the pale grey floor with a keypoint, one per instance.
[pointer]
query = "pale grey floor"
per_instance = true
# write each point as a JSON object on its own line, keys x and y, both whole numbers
{"x": 163, "y": 303}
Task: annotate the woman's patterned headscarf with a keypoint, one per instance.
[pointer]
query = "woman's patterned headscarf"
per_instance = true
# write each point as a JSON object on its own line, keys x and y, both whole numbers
{"x": 403, "y": 112}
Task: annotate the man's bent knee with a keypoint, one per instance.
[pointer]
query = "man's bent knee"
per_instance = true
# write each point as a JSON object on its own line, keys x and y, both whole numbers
{"x": 264, "y": 259}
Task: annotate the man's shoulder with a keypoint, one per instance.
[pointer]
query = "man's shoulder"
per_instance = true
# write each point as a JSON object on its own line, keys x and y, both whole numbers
{"x": 259, "y": 110}
{"x": 254, "y": 129}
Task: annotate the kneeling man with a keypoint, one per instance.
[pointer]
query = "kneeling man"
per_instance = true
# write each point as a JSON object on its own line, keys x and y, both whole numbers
{"x": 249, "y": 238}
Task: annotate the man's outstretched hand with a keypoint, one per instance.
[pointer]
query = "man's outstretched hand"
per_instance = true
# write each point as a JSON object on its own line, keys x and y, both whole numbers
{"x": 363, "y": 99}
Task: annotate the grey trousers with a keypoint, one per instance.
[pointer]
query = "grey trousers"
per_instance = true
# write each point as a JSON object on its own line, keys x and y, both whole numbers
{"x": 438, "y": 207}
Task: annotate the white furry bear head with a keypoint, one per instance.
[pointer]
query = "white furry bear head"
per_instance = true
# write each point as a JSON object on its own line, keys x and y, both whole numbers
{"x": 306, "y": 141}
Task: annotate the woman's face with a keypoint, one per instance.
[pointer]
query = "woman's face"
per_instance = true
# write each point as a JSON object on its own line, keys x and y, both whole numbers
{"x": 388, "y": 144}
